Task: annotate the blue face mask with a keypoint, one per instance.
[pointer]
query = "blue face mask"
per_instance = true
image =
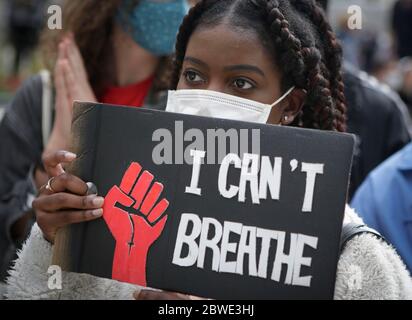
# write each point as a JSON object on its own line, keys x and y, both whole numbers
{"x": 154, "y": 24}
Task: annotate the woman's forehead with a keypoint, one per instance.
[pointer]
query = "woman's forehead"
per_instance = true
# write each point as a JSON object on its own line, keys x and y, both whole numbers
{"x": 223, "y": 45}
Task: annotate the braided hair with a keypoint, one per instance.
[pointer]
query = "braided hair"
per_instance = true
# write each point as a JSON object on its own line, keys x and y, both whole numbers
{"x": 301, "y": 41}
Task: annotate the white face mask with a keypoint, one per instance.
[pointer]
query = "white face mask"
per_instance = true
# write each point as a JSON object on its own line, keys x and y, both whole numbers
{"x": 220, "y": 105}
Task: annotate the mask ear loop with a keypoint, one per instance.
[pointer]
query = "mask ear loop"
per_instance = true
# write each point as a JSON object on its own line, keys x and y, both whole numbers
{"x": 283, "y": 97}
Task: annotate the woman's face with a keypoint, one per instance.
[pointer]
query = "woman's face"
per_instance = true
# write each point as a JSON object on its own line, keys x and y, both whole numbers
{"x": 234, "y": 62}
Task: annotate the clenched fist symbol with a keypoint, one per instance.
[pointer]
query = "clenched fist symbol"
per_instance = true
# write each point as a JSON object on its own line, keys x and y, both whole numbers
{"x": 136, "y": 218}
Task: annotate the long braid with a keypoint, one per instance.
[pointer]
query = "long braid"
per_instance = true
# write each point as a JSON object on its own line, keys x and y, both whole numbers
{"x": 332, "y": 55}
{"x": 288, "y": 46}
{"x": 319, "y": 98}
{"x": 305, "y": 66}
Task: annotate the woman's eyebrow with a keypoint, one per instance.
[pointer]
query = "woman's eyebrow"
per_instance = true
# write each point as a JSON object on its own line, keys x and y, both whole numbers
{"x": 196, "y": 61}
{"x": 245, "y": 67}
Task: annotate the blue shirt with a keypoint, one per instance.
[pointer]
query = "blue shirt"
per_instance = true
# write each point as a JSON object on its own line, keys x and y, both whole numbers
{"x": 384, "y": 201}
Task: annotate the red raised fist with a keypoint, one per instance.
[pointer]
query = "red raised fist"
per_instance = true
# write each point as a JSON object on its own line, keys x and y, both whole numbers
{"x": 136, "y": 219}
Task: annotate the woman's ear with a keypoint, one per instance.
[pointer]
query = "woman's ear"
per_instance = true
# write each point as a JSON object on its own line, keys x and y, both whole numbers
{"x": 292, "y": 106}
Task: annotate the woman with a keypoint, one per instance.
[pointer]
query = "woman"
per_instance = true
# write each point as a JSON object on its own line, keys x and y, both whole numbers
{"x": 266, "y": 49}
{"x": 112, "y": 57}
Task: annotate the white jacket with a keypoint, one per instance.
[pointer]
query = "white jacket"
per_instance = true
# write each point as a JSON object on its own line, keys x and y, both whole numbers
{"x": 375, "y": 264}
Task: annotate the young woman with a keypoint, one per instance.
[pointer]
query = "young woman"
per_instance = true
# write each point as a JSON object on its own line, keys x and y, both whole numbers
{"x": 259, "y": 50}
{"x": 108, "y": 51}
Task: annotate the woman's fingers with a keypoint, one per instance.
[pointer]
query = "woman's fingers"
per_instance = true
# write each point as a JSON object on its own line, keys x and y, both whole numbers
{"x": 50, "y": 223}
{"x": 78, "y": 88}
{"x": 65, "y": 218}
{"x": 71, "y": 81}
{"x": 70, "y": 183}
{"x": 63, "y": 104}
{"x": 75, "y": 58}
{"x": 59, "y": 81}
{"x": 53, "y": 161}
{"x": 76, "y": 74}
{"x": 62, "y": 51}
{"x": 62, "y": 123}
{"x": 64, "y": 201}
{"x": 56, "y": 210}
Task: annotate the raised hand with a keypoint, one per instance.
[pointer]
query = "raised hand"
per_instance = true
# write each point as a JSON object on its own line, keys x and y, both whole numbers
{"x": 71, "y": 84}
{"x": 76, "y": 77}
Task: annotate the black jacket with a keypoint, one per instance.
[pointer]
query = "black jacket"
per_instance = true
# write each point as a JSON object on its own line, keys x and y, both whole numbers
{"x": 20, "y": 151}
{"x": 378, "y": 118}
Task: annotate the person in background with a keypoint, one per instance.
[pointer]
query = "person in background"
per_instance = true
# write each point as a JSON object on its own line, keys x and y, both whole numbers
{"x": 352, "y": 43}
{"x": 402, "y": 27}
{"x": 25, "y": 21}
{"x": 120, "y": 57}
{"x": 384, "y": 202}
{"x": 398, "y": 75}
{"x": 376, "y": 116}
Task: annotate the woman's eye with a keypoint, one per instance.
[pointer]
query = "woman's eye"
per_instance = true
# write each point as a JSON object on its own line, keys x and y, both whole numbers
{"x": 243, "y": 84}
{"x": 192, "y": 77}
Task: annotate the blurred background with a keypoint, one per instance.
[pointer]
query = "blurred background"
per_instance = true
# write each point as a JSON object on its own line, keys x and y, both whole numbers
{"x": 380, "y": 48}
{"x": 21, "y": 22}
{"x": 383, "y": 47}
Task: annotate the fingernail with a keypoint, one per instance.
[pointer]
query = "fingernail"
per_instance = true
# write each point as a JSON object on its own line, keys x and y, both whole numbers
{"x": 97, "y": 212}
{"x": 70, "y": 156}
{"x": 98, "y": 201}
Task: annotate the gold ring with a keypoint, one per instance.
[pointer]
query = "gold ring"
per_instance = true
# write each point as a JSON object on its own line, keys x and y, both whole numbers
{"x": 48, "y": 185}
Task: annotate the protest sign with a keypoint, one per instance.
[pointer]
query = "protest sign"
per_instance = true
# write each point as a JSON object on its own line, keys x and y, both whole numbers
{"x": 210, "y": 207}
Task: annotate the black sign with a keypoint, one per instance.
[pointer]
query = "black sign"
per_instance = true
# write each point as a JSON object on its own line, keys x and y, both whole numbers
{"x": 210, "y": 207}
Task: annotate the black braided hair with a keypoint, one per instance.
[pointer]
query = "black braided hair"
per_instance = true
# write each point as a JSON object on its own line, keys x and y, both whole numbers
{"x": 300, "y": 39}
{"x": 332, "y": 55}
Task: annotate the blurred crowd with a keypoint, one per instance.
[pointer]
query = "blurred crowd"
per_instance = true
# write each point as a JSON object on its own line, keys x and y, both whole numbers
{"x": 59, "y": 67}
{"x": 22, "y": 22}
{"x": 382, "y": 48}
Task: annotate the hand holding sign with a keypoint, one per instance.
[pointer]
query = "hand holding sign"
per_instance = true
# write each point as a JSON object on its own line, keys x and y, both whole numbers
{"x": 135, "y": 219}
